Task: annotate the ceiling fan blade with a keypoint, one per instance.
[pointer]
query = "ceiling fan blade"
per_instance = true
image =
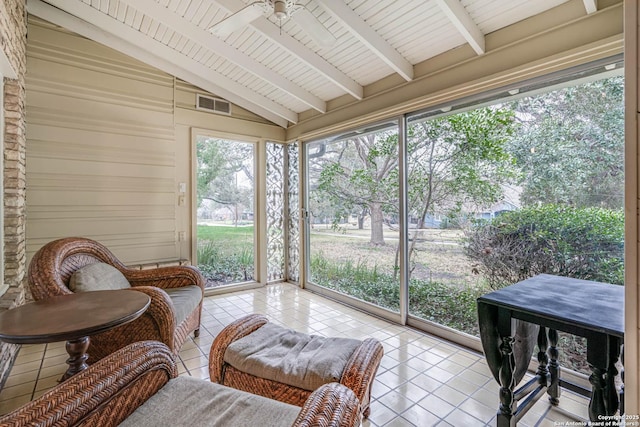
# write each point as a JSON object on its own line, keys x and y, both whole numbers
{"x": 314, "y": 28}
{"x": 238, "y": 20}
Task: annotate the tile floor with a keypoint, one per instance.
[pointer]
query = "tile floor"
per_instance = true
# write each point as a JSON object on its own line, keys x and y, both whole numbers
{"x": 422, "y": 380}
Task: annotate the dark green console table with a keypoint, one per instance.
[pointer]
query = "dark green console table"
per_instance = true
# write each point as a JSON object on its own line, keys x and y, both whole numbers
{"x": 513, "y": 320}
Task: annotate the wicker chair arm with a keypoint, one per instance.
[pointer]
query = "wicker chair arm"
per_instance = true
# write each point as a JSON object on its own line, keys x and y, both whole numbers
{"x": 330, "y": 405}
{"x": 162, "y": 312}
{"x": 357, "y": 374}
{"x": 166, "y": 277}
{"x": 104, "y": 394}
{"x": 232, "y": 332}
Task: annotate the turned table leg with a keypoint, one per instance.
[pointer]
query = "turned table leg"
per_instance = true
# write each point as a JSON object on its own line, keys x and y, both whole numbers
{"x": 602, "y": 354}
{"x": 622, "y": 378}
{"x": 543, "y": 360}
{"x": 612, "y": 401}
{"x": 507, "y": 384}
{"x": 554, "y": 368}
{"x": 77, "y": 350}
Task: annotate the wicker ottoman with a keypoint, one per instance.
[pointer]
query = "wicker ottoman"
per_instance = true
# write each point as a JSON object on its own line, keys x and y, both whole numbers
{"x": 254, "y": 355}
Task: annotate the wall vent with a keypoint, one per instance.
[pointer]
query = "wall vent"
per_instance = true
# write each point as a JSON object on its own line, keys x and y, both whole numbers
{"x": 214, "y": 105}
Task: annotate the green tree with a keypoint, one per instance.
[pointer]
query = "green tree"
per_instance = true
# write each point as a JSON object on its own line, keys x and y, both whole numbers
{"x": 210, "y": 165}
{"x": 570, "y": 145}
{"x": 453, "y": 160}
{"x": 359, "y": 175}
{"x": 459, "y": 162}
{"x": 225, "y": 174}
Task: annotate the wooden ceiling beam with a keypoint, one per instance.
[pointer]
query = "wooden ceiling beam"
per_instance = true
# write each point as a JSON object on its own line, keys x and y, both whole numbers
{"x": 367, "y": 36}
{"x": 463, "y": 22}
{"x": 210, "y": 42}
{"x": 121, "y": 37}
{"x": 302, "y": 52}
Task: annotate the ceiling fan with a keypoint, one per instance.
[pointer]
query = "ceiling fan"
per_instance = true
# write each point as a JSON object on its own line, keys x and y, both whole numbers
{"x": 281, "y": 10}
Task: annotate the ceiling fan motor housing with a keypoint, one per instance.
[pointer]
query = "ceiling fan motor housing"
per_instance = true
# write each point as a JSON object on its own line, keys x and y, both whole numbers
{"x": 280, "y": 10}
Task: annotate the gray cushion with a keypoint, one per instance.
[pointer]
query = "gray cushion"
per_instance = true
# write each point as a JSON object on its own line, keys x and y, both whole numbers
{"x": 97, "y": 277}
{"x": 187, "y": 401}
{"x": 185, "y": 300}
{"x": 290, "y": 357}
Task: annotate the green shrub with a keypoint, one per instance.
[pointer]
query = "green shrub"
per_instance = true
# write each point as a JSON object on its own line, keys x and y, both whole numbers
{"x": 221, "y": 267}
{"x": 448, "y": 305}
{"x": 585, "y": 243}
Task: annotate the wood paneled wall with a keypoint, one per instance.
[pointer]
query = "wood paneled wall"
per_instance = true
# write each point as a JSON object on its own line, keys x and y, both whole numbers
{"x": 108, "y": 142}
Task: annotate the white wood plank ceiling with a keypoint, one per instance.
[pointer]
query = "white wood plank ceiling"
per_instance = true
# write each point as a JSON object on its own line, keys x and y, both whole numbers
{"x": 278, "y": 69}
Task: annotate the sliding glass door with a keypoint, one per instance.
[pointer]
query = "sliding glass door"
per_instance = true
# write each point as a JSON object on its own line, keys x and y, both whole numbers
{"x": 225, "y": 210}
{"x": 352, "y": 214}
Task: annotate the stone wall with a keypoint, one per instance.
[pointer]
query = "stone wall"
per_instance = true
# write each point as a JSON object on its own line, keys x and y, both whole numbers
{"x": 13, "y": 42}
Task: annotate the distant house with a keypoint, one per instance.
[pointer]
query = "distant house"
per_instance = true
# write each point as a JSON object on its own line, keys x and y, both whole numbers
{"x": 510, "y": 202}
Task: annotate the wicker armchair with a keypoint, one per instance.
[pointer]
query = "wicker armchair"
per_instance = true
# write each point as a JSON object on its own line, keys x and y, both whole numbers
{"x": 111, "y": 390}
{"x": 50, "y": 271}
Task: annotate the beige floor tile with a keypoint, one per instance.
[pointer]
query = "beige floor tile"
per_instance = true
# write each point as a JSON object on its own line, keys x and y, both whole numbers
{"x": 395, "y": 401}
{"x": 436, "y": 405}
{"x": 419, "y": 416}
{"x": 196, "y": 362}
{"x": 450, "y": 395}
{"x": 478, "y": 410}
{"x": 439, "y": 374}
{"x": 390, "y": 379}
{"x": 412, "y": 392}
{"x": 32, "y": 348}
{"x": 418, "y": 364}
{"x": 16, "y": 379}
{"x": 47, "y": 383}
{"x": 26, "y": 367}
{"x": 28, "y": 357}
{"x": 55, "y": 360}
{"x": 53, "y": 370}
{"x": 465, "y": 359}
{"x": 191, "y": 353}
{"x": 451, "y": 366}
{"x": 460, "y": 418}
{"x": 460, "y": 384}
{"x": 11, "y": 404}
{"x": 380, "y": 414}
{"x": 53, "y": 351}
{"x": 16, "y": 391}
{"x": 400, "y": 422}
{"x": 426, "y": 382}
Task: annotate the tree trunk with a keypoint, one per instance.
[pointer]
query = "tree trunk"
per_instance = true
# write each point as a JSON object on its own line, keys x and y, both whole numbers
{"x": 377, "y": 236}
{"x": 361, "y": 217}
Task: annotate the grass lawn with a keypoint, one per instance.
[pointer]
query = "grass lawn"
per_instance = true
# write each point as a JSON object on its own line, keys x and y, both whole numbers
{"x": 230, "y": 238}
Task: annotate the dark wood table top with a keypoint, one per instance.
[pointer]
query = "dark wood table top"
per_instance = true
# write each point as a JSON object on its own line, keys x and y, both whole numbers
{"x": 586, "y": 304}
{"x": 69, "y": 317}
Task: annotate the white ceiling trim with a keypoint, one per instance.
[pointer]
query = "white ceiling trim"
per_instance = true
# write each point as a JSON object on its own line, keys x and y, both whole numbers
{"x": 463, "y": 22}
{"x": 183, "y": 26}
{"x": 591, "y": 6}
{"x": 367, "y": 36}
{"x": 104, "y": 29}
{"x": 294, "y": 47}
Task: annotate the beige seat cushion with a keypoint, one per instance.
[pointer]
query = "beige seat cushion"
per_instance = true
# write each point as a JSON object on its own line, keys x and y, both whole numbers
{"x": 187, "y": 401}
{"x": 185, "y": 300}
{"x": 290, "y": 357}
{"x": 97, "y": 277}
